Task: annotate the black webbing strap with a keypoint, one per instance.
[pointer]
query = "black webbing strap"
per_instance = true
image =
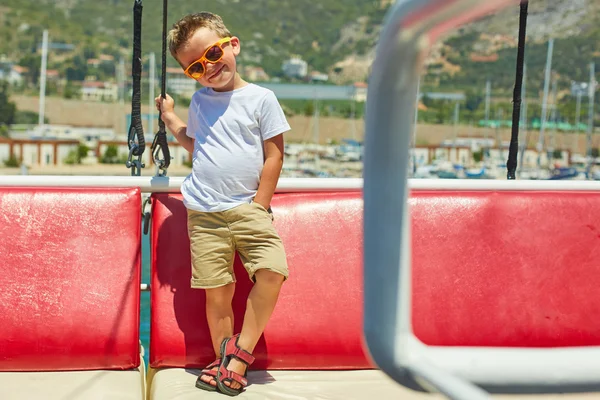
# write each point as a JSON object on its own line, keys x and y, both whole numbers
{"x": 159, "y": 144}
{"x": 511, "y": 163}
{"x": 136, "y": 129}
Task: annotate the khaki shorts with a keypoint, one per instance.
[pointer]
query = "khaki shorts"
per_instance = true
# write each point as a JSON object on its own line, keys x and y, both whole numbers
{"x": 215, "y": 237}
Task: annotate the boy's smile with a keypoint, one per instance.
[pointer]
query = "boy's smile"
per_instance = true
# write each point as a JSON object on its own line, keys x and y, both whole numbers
{"x": 218, "y": 68}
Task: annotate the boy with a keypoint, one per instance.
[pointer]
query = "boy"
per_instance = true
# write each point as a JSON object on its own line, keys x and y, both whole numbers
{"x": 234, "y": 133}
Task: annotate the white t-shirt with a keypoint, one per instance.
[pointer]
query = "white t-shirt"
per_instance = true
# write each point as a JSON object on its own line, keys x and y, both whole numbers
{"x": 228, "y": 130}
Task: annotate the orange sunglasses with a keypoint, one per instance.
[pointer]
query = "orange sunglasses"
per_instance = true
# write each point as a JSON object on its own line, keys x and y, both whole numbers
{"x": 212, "y": 55}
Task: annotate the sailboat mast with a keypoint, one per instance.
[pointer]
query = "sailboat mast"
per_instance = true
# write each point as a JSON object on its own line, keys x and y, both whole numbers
{"x": 552, "y": 145}
{"x": 590, "y": 128}
{"x": 577, "y": 120}
{"x": 540, "y": 145}
{"x": 414, "y": 138}
{"x": 488, "y": 90}
{"x": 316, "y": 120}
{"x": 42, "y": 104}
{"x": 121, "y": 82}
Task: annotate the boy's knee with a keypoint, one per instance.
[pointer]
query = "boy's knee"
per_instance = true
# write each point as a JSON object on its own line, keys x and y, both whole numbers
{"x": 265, "y": 276}
{"x": 221, "y": 295}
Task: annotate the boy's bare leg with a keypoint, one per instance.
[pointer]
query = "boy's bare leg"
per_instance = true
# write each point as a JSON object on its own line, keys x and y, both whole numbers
{"x": 260, "y": 306}
{"x": 219, "y": 314}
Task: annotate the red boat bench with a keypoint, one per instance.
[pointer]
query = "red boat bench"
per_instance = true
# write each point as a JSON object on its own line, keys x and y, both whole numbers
{"x": 313, "y": 342}
{"x": 69, "y": 294}
{"x": 488, "y": 270}
{"x": 506, "y": 269}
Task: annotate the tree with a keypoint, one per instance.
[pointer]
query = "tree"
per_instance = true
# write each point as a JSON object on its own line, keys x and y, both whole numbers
{"x": 32, "y": 62}
{"x": 309, "y": 108}
{"x": 75, "y": 156}
{"x": 442, "y": 111}
{"x": 110, "y": 155}
{"x": 7, "y": 107}
{"x": 27, "y": 118}
{"x": 557, "y": 154}
{"x": 82, "y": 152}
{"x": 473, "y": 100}
{"x": 70, "y": 91}
{"x": 12, "y": 162}
{"x": 89, "y": 51}
{"x": 76, "y": 69}
{"x": 426, "y": 100}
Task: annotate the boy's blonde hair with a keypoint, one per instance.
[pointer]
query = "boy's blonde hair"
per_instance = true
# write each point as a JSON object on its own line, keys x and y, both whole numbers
{"x": 183, "y": 29}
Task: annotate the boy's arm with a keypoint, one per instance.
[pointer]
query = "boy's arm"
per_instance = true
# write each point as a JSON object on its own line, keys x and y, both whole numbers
{"x": 179, "y": 129}
{"x": 271, "y": 171}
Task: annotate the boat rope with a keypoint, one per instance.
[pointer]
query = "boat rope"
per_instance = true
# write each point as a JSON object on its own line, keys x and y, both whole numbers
{"x": 160, "y": 145}
{"x": 511, "y": 163}
{"x": 136, "y": 129}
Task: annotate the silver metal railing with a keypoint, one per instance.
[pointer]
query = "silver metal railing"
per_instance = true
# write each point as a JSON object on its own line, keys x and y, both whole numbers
{"x": 410, "y": 28}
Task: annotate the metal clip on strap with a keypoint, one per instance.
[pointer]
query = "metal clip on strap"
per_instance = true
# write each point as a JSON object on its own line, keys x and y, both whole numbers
{"x": 160, "y": 153}
{"x": 134, "y": 151}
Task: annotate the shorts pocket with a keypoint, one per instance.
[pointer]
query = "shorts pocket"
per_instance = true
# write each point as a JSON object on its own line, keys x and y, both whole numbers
{"x": 268, "y": 211}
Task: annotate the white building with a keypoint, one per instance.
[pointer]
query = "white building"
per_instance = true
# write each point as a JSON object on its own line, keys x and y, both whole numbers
{"x": 89, "y": 136}
{"x": 360, "y": 91}
{"x": 316, "y": 76}
{"x": 13, "y": 74}
{"x": 99, "y": 91}
{"x": 295, "y": 67}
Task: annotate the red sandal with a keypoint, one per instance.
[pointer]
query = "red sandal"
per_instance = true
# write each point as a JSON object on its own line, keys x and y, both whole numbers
{"x": 229, "y": 350}
{"x": 208, "y": 371}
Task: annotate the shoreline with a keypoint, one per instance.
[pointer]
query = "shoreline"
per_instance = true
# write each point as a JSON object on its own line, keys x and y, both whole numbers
{"x": 61, "y": 111}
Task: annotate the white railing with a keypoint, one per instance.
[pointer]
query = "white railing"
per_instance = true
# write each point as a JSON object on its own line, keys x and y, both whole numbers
{"x": 172, "y": 184}
{"x": 153, "y": 184}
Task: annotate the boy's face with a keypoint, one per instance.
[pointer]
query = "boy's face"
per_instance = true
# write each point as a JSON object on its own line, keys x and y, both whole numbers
{"x": 219, "y": 75}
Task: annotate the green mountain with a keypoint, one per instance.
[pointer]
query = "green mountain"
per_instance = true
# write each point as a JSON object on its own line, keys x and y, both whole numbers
{"x": 333, "y": 36}
{"x": 487, "y": 49}
{"x": 270, "y": 30}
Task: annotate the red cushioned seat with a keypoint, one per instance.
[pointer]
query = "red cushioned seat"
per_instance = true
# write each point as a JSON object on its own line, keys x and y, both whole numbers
{"x": 70, "y": 275}
{"x": 513, "y": 269}
{"x": 317, "y": 323}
